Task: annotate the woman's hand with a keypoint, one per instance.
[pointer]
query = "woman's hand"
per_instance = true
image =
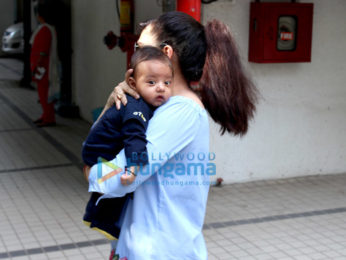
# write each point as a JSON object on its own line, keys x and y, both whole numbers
{"x": 86, "y": 171}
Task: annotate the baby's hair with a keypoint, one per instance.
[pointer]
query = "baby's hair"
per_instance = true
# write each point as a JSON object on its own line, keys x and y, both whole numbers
{"x": 149, "y": 53}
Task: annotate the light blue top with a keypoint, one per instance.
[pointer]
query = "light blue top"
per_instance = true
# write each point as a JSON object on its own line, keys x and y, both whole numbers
{"x": 165, "y": 218}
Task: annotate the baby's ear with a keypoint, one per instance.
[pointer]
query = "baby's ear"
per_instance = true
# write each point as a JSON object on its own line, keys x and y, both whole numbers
{"x": 132, "y": 82}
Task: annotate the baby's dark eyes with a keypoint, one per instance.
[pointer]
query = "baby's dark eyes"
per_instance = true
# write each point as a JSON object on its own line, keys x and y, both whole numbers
{"x": 152, "y": 82}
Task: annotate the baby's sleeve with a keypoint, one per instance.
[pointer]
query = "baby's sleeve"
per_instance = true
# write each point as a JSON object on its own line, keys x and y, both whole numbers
{"x": 134, "y": 125}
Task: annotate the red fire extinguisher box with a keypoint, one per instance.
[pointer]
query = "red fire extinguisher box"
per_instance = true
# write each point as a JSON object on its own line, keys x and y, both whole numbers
{"x": 280, "y": 32}
{"x": 191, "y": 7}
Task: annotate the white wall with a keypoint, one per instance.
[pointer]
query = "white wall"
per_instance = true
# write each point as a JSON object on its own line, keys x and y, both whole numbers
{"x": 96, "y": 70}
{"x": 300, "y": 126}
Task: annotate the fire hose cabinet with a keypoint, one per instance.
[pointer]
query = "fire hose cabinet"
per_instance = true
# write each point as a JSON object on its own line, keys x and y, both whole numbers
{"x": 280, "y": 32}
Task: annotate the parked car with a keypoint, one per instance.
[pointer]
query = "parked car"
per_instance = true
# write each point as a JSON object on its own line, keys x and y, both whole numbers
{"x": 12, "y": 40}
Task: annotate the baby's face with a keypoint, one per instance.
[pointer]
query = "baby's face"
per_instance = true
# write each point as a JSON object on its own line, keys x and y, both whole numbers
{"x": 154, "y": 81}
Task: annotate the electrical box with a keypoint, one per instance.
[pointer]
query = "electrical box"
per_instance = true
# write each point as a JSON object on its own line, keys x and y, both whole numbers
{"x": 280, "y": 32}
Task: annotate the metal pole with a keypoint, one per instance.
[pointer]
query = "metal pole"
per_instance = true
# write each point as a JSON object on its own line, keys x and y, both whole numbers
{"x": 65, "y": 106}
{"x": 26, "y": 80}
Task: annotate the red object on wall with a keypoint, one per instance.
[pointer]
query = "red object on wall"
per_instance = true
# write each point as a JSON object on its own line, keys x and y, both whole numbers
{"x": 191, "y": 7}
{"x": 280, "y": 32}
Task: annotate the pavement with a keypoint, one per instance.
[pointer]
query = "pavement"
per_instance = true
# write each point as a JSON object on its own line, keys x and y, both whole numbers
{"x": 43, "y": 195}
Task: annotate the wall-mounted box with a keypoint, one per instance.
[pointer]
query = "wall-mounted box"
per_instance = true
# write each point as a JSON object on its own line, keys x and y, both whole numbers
{"x": 280, "y": 32}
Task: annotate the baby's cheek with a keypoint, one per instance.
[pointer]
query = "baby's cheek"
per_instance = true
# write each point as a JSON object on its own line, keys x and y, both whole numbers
{"x": 169, "y": 93}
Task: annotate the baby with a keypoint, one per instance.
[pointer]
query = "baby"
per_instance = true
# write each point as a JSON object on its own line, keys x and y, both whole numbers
{"x": 125, "y": 128}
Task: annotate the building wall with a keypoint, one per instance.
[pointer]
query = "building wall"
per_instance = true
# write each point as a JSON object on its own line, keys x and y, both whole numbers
{"x": 95, "y": 69}
{"x": 299, "y": 128}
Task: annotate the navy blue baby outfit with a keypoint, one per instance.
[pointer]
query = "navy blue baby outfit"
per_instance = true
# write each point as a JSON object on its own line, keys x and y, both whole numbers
{"x": 115, "y": 130}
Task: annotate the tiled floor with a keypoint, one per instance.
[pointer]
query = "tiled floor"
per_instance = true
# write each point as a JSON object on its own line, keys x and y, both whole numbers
{"x": 43, "y": 194}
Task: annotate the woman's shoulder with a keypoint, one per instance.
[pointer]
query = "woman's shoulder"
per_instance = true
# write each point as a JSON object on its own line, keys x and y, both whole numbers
{"x": 178, "y": 114}
{"x": 181, "y": 105}
{"x": 44, "y": 32}
{"x": 177, "y": 122}
{"x": 44, "y": 27}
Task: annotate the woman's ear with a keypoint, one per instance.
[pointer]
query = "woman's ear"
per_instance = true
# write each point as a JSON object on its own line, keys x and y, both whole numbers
{"x": 168, "y": 50}
{"x": 132, "y": 82}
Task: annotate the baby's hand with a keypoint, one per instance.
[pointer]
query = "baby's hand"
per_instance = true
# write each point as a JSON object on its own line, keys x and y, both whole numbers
{"x": 86, "y": 171}
{"x": 127, "y": 179}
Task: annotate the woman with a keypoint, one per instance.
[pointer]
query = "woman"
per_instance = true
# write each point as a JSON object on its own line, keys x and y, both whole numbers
{"x": 165, "y": 218}
{"x": 44, "y": 65}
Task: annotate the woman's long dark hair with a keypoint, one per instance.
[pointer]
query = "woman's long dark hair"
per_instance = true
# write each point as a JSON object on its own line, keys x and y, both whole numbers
{"x": 208, "y": 54}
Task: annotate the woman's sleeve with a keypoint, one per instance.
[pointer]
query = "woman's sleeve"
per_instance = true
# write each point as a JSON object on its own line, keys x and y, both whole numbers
{"x": 171, "y": 129}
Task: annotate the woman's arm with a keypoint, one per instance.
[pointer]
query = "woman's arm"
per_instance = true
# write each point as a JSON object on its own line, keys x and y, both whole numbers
{"x": 171, "y": 129}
